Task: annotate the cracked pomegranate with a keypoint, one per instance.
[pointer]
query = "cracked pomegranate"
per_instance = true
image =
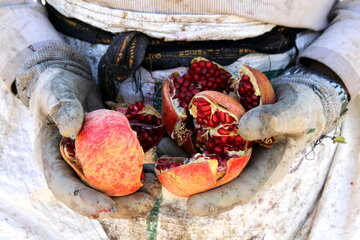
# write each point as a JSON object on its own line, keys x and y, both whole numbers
{"x": 106, "y": 153}
{"x": 201, "y": 110}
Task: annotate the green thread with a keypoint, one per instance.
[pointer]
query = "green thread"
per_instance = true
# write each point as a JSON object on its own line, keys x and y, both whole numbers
{"x": 152, "y": 219}
{"x": 273, "y": 74}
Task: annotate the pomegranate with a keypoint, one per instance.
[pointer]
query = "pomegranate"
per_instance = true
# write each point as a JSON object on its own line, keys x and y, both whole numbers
{"x": 144, "y": 120}
{"x": 106, "y": 153}
{"x": 252, "y": 88}
{"x": 201, "y": 110}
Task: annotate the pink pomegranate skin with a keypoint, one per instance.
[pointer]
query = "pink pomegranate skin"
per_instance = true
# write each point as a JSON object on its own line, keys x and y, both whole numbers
{"x": 109, "y": 153}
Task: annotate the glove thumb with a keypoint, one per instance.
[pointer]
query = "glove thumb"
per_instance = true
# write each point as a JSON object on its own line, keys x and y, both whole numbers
{"x": 57, "y": 96}
{"x": 298, "y": 109}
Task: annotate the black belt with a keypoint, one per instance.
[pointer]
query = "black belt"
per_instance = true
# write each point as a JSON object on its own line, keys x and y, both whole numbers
{"x": 129, "y": 50}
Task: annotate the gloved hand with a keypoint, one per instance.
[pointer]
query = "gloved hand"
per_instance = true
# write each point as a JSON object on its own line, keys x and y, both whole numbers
{"x": 56, "y": 84}
{"x": 308, "y": 106}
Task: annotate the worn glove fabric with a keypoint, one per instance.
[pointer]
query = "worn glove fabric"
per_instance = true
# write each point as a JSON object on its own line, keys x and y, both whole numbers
{"x": 307, "y": 106}
{"x": 56, "y": 84}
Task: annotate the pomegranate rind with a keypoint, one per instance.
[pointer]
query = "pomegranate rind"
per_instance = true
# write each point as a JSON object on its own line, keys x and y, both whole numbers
{"x": 109, "y": 153}
{"x": 173, "y": 120}
{"x": 189, "y": 179}
{"x": 235, "y": 166}
{"x": 261, "y": 84}
{"x": 195, "y": 177}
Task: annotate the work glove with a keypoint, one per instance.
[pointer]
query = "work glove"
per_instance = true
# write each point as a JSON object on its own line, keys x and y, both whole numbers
{"x": 309, "y": 105}
{"x": 55, "y": 82}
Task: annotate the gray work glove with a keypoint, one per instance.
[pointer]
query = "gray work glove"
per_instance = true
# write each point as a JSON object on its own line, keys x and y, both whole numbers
{"x": 308, "y": 106}
{"x": 55, "y": 82}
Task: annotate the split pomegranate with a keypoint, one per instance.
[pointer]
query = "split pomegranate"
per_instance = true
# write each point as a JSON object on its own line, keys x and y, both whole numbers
{"x": 201, "y": 111}
{"x": 144, "y": 120}
{"x": 106, "y": 153}
{"x": 252, "y": 88}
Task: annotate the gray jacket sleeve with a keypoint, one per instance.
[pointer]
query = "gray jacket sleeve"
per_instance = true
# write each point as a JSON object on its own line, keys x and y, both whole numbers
{"x": 339, "y": 46}
{"x": 24, "y": 28}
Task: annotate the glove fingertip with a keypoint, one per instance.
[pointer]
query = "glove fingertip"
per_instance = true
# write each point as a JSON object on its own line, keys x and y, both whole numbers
{"x": 69, "y": 118}
{"x": 258, "y": 124}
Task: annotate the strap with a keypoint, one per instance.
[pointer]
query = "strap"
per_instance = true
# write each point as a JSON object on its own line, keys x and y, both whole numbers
{"x": 124, "y": 55}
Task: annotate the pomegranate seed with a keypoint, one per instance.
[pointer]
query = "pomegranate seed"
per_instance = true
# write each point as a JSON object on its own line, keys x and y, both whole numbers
{"x": 224, "y": 139}
{"x": 187, "y": 99}
{"x": 180, "y": 80}
{"x": 208, "y": 114}
{"x": 186, "y": 83}
{"x": 222, "y": 116}
{"x": 201, "y": 114}
{"x": 195, "y": 91}
{"x": 183, "y": 89}
{"x": 70, "y": 150}
{"x": 204, "y": 70}
{"x": 245, "y": 78}
{"x": 255, "y": 98}
{"x": 140, "y": 105}
{"x": 177, "y": 85}
{"x": 223, "y": 131}
{"x": 199, "y": 120}
{"x": 218, "y": 149}
{"x": 223, "y": 77}
{"x": 209, "y": 64}
{"x": 209, "y": 84}
{"x": 249, "y": 100}
{"x": 189, "y": 94}
{"x": 211, "y": 144}
{"x": 232, "y": 127}
{"x": 203, "y": 83}
{"x": 218, "y": 80}
{"x": 215, "y": 118}
{"x": 187, "y": 76}
{"x": 196, "y": 77}
{"x": 197, "y": 70}
{"x": 182, "y": 95}
{"x": 204, "y": 108}
{"x": 247, "y": 86}
{"x": 202, "y": 64}
{"x": 229, "y": 119}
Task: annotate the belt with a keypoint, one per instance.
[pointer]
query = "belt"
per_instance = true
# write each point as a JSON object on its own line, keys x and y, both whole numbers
{"x": 129, "y": 50}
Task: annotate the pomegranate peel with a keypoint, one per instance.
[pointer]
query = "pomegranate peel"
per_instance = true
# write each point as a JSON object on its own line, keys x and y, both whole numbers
{"x": 106, "y": 153}
{"x": 254, "y": 89}
{"x": 185, "y": 177}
